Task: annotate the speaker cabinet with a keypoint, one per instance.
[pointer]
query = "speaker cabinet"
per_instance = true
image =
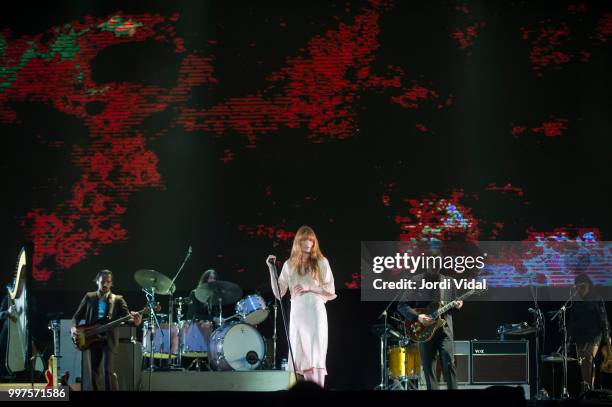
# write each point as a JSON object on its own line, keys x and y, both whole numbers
{"x": 462, "y": 363}
{"x": 128, "y": 363}
{"x": 500, "y": 362}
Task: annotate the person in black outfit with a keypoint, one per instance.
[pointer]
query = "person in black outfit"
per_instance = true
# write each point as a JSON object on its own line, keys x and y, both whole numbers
{"x": 442, "y": 342}
{"x": 198, "y": 310}
{"x": 103, "y": 306}
{"x": 588, "y": 325}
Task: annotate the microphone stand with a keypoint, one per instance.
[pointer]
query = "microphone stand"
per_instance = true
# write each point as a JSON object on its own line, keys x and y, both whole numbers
{"x": 284, "y": 316}
{"x": 563, "y": 327}
{"x": 170, "y": 317}
{"x": 274, "y": 336}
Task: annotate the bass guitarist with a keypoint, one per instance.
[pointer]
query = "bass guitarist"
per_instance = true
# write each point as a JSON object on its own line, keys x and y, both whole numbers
{"x": 441, "y": 343}
{"x": 96, "y": 306}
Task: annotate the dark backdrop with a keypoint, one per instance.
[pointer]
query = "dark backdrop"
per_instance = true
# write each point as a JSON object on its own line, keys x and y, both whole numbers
{"x": 133, "y": 132}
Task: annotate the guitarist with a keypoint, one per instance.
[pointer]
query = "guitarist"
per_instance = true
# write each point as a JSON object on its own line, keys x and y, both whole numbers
{"x": 97, "y": 306}
{"x": 588, "y": 325}
{"x": 442, "y": 342}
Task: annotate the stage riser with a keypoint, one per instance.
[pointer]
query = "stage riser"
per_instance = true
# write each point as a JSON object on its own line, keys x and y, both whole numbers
{"x": 215, "y": 381}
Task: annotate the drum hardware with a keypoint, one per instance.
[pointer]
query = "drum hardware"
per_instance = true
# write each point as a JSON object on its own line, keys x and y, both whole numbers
{"x": 153, "y": 322}
{"x": 178, "y": 364}
{"x": 384, "y": 336}
{"x": 560, "y": 313}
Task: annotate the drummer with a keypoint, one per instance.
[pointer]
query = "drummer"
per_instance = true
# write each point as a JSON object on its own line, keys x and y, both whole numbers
{"x": 198, "y": 310}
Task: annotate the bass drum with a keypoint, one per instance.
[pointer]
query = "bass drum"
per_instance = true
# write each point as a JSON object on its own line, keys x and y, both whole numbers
{"x": 236, "y": 346}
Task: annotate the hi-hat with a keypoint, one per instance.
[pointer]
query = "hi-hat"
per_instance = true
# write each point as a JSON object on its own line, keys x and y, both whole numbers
{"x": 151, "y": 279}
{"x": 211, "y": 293}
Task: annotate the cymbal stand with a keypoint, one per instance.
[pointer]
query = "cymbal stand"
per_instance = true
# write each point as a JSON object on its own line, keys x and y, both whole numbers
{"x": 540, "y": 393}
{"x": 563, "y": 327}
{"x": 171, "y": 312}
{"x": 179, "y": 317}
{"x": 384, "y": 371}
{"x": 153, "y": 322}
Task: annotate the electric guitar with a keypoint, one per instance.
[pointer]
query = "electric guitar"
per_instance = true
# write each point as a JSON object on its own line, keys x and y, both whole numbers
{"x": 87, "y": 335}
{"x": 606, "y": 364}
{"x": 418, "y": 332}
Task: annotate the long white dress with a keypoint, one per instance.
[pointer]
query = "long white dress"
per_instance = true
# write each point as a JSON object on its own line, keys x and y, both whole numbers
{"x": 308, "y": 318}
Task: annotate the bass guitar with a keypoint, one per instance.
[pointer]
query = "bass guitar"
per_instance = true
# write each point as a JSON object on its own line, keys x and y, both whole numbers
{"x": 87, "y": 335}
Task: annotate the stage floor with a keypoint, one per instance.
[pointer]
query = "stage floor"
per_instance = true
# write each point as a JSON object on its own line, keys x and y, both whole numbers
{"x": 261, "y": 380}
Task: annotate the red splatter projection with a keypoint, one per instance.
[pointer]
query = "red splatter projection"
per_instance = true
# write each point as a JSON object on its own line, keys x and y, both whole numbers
{"x": 554, "y": 127}
{"x": 117, "y": 162}
{"x": 439, "y": 218}
{"x": 465, "y": 38}
{"x": 518, "y": 130}
{"x": 547, "y": 46}
{"x": 565, "y": 233}
{"x": 577, "y": 8}
{"x": 316, "y": 90}
{"x": 604, "y": 28}
{"x": 269, "y": 232}
{"x": 505, "y": 188}
{"x": 466, "y": 35}
{"x": 554, "y": 44}
{"x": 355, "y": 282}
{"x": 421, "y": 127}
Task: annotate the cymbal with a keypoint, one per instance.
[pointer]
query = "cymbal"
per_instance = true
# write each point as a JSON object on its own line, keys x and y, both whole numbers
{"x": 150, "y": 279}
{"x": 210, "y": 293}
{"x": 556, "y": 358}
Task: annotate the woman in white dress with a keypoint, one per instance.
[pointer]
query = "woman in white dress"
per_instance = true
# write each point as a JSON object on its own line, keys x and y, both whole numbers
{"x": 308, "y": 277}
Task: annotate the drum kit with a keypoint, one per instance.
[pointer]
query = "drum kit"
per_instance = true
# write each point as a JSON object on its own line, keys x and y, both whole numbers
{"x": 400, "y": 357}
{"x": 224, "y": 344}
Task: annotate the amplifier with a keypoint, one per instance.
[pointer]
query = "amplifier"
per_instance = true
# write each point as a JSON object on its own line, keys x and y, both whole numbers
{"x": 462, "y": 363}
{"x": 500, "y": 362}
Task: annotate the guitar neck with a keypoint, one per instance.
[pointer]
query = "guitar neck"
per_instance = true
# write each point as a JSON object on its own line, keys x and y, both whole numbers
{"x": 451, "y": 304}
{"x": 115, "y": 323}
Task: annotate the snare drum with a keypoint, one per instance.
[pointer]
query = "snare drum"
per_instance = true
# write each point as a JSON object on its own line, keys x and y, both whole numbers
{"x": 161, "y": 341}
{"x": 195, "y": 337}
{"x": 252, "y": 309}
{"x": 236, "y": 346}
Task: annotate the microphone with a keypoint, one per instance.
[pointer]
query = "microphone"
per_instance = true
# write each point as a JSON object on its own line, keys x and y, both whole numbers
{"x": 533, "y": 311}
{"x": 189, "y": 251}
